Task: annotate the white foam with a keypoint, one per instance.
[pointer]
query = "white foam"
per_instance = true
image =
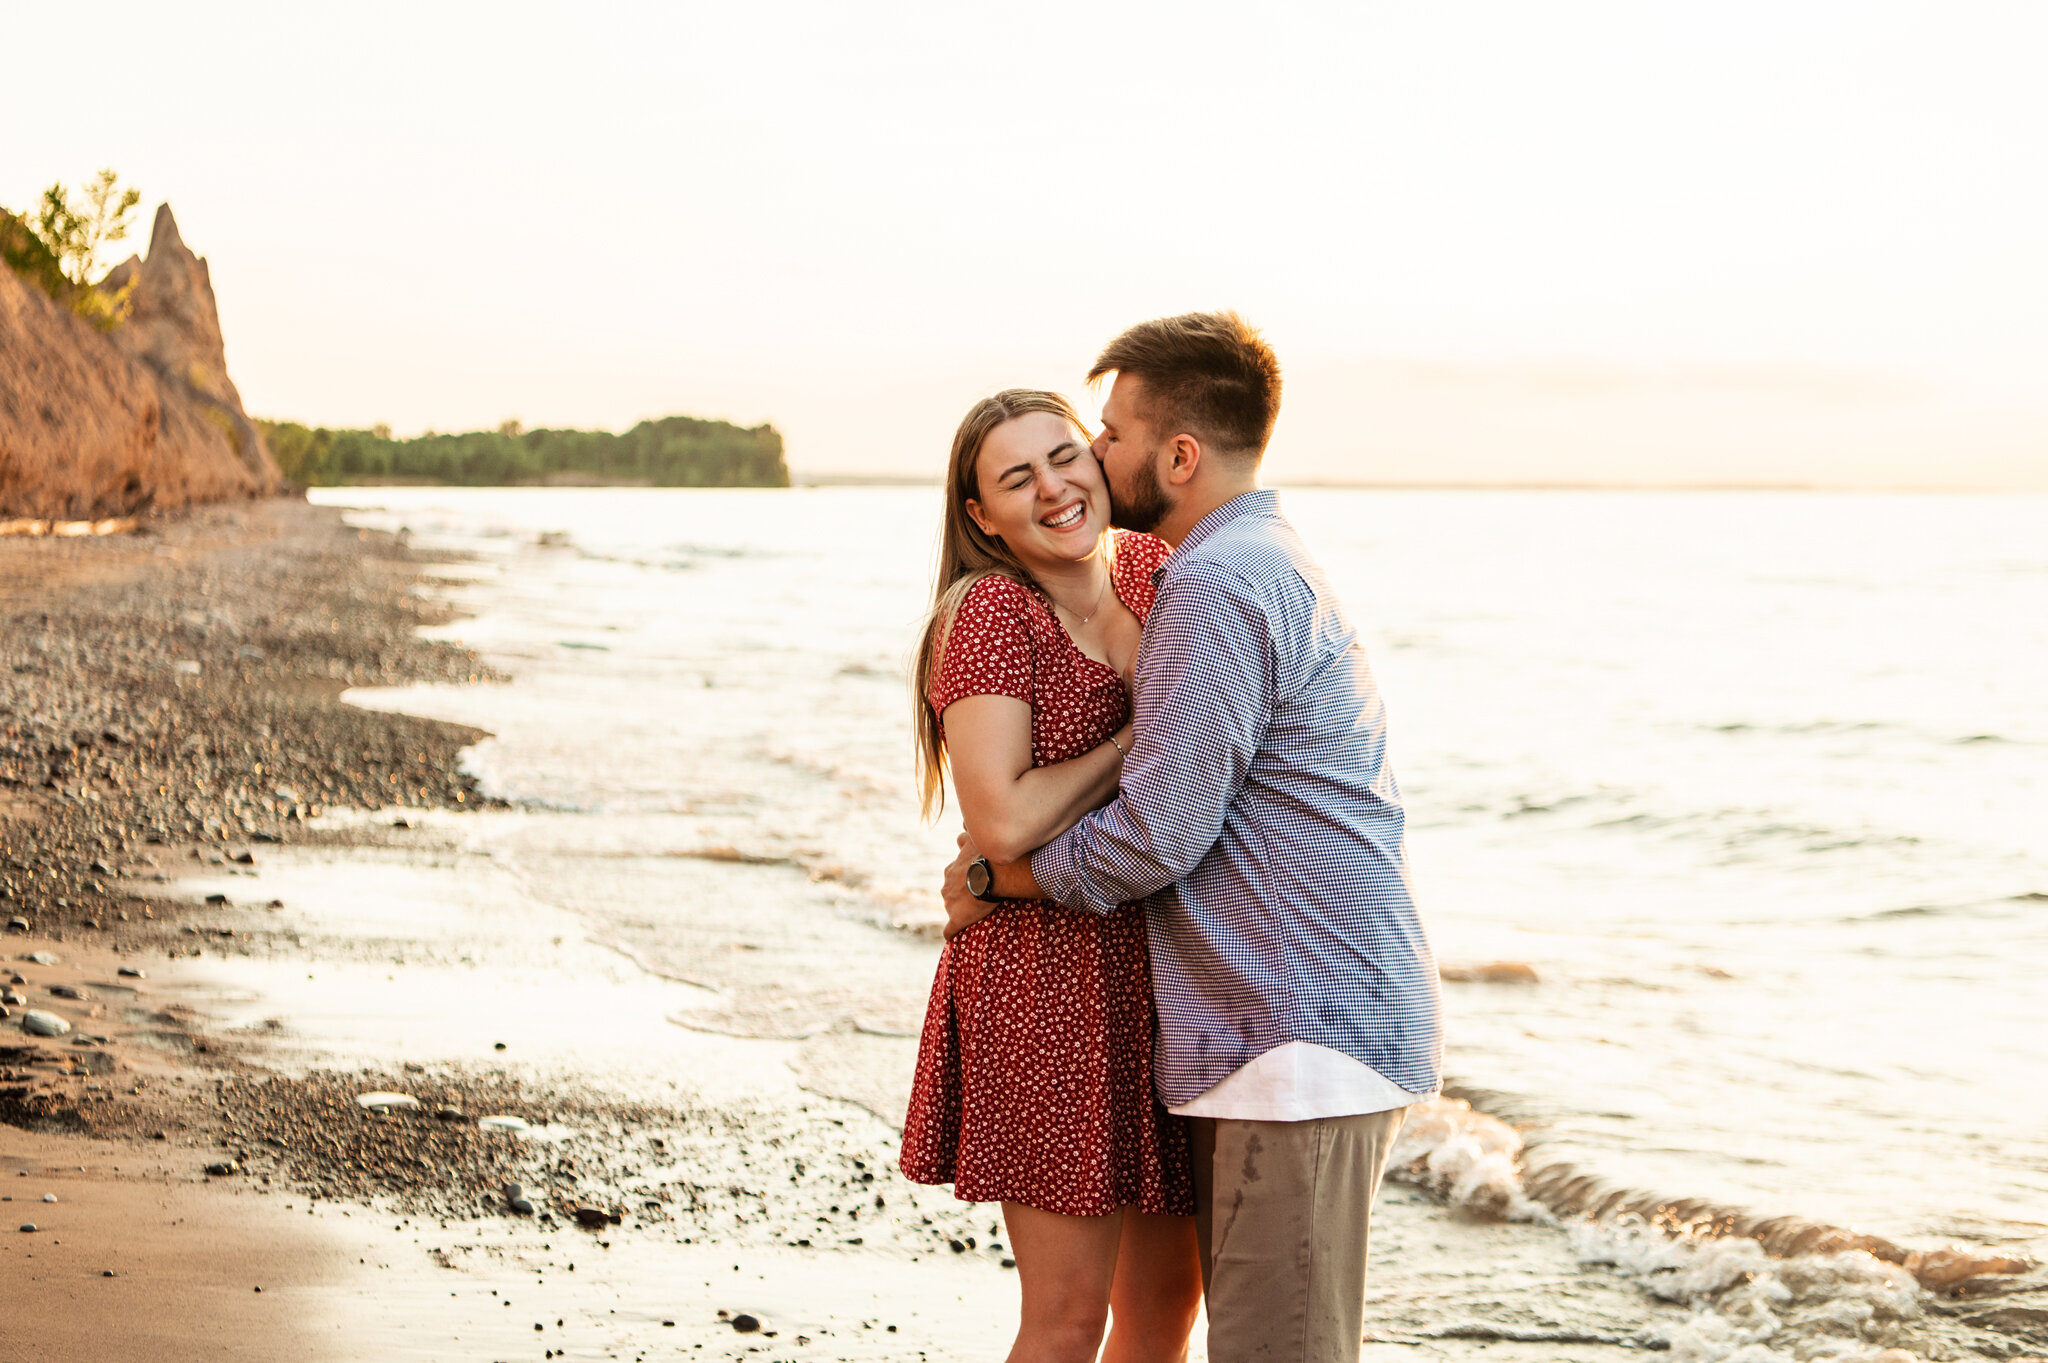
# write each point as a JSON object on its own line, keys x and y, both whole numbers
{"x": 1467, "y": 1158}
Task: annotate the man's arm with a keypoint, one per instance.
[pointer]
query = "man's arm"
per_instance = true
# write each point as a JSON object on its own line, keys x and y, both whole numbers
{"x": 1011, "y": 880}
{"x": 1203, "y": 699}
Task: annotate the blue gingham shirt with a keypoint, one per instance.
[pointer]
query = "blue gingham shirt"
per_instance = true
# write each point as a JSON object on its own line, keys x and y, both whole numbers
{"x": 1259, "y": 822}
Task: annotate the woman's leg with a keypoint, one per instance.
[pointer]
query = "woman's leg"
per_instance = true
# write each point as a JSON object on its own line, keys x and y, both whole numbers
{"x": 1066, "y": 1265}
{"x": 1157, "y": 1292}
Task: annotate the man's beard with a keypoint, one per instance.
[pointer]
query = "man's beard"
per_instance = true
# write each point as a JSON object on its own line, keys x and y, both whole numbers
{"x": 1143, "y": 504}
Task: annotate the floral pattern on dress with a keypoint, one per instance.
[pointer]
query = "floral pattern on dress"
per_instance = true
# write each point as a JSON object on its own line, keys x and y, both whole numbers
{"x": 1034, "y": 1072}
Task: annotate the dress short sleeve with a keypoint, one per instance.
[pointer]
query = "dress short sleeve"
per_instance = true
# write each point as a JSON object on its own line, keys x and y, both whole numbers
{"x": 988, "y": 649}
{"x": 1137, "y": 558}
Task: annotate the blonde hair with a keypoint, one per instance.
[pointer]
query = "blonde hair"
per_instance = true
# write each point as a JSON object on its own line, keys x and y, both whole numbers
{"x": 967, "y": 554}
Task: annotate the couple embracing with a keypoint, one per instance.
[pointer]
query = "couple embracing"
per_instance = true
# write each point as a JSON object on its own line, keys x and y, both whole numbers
{"x": 1185, "y": 997}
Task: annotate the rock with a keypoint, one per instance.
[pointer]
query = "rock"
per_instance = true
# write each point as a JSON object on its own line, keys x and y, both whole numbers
{"x": 18, "y": 1000}
{"x": 28, "y": 1228}
{"x": 244, "y": 859}
{"x": 450, "y": 1114}
{"x": 222, "y": 1168}
{"x": 5, "y": 1013}
{"x": 100, "y": 868}
{"x": 519, "y": 1206}
{"x": 40, "y": 958}
{"x": 19, "y": 925}
{"x": 512, "y": 1191}
{"x": 216, "y": 899}
{"x": 49, "y": 1197}
{"x": 592, "y": 1218}
{"x": 131, "y": 972}
{"x": 746, "y": 1324}
{"x": 384, "y": 1102}
{"x": 503, "y": 1122}
{"x": 38, "y": 1023}
{"x": 70, "y": 991}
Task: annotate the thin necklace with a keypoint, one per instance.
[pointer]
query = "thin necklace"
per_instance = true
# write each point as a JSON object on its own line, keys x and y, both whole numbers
{"x": 1092, "y": 610}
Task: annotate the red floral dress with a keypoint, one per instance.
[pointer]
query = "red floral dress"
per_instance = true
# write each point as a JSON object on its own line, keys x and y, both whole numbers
{"x": 1034, "y": 1075}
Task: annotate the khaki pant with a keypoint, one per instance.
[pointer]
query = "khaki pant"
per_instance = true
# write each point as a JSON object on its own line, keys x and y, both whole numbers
{"x": 1282, "y": 1210}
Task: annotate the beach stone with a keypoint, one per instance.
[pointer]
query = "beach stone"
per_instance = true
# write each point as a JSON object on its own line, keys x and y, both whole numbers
{"x": 244, "y": 859}
{"x": 513, "y": 1192}
{"x": 216, "y": 899}
{"x": 5, "y": 1013}
{"x": 18, "y": 1000}
{"x": 520, "y": 1206}
{"x": 38, "y": 1023}
{"x": 49, "y": 1197}
{"x": 222, "y": 1168}
{"x": 39, "y": 958}
{"x": 132, "y": 973}
{"x": 28, "y": 1228}
{"x": 592, "y": 1218}
{"x": 68, "y": 991}
{"x": 19, "y": 925}
{"x": 503, "y": 1122}
{"x": 383, "y": 1101}
{"x": 451, "y": 1114}
{"x": 746, "y": 1324}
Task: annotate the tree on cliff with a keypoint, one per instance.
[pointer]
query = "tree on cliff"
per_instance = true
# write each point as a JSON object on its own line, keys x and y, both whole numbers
{"x": 76, "y": 233}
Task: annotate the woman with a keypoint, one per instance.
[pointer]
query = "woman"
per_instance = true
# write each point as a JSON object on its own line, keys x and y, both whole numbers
{"x": 1034, "y": 1076}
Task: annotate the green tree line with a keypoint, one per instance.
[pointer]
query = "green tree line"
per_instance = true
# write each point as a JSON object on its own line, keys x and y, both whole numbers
{"x": 676, "y": 451}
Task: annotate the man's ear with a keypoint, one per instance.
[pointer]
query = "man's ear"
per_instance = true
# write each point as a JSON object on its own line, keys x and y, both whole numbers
{"x": 1183, "y": 459}
{"x": 974, "y": 514}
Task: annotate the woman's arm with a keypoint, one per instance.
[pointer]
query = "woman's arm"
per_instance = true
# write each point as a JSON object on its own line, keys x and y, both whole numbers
{"x": 1011, "y": 808}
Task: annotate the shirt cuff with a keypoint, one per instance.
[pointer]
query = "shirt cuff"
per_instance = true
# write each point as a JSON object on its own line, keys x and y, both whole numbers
{"x": 1058, "y": 872}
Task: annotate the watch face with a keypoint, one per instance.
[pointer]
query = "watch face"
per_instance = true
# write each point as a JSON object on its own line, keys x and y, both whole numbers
{"x": 977, "y": 877}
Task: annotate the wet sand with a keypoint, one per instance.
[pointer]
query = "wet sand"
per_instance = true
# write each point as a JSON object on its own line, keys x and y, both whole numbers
{"x": 361, "y": 938}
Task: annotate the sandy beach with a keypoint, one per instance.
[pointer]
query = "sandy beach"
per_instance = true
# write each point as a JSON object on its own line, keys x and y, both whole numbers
{"x": 253, "y": 905}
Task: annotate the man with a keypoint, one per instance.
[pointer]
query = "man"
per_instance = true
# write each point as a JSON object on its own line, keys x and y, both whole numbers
{"x": 1259, "y": 824}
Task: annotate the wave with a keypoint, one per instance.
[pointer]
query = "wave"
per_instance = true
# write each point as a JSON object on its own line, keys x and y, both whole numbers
{"x": 1762, "y": 1289}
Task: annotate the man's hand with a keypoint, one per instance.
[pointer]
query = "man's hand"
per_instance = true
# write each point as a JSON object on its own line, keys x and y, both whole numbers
{"x": 963, "y": 910}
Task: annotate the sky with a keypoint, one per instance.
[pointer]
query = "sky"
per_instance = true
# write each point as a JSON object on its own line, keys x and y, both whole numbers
{"x": 1788, "y": 243}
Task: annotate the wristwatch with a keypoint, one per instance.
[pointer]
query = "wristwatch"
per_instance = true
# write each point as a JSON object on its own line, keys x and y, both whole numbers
{"x": 981, "y": 879}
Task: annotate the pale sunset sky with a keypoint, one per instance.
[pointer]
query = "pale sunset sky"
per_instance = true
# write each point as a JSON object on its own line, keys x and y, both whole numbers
{"x": 1794, "y": 242}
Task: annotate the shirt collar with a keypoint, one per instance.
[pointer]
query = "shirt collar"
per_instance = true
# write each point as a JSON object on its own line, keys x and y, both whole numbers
{"x": 1263, "y": 499}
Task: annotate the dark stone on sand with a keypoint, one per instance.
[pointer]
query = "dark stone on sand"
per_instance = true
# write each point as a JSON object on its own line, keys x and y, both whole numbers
{"x": 216, "y": 899}
{"x": 28, "y": 1228}
{"x": 745, "y": 1324}
{"x": 497, "y": 1045}
{"x": 69, "y": 991}
{"x": 131, "y": 972}
{"x": 244, "y": 859}
{"x": 106, "y": 1273}
{"x": 592, "y": 1218}
{"x": 454, "y": 1114}
{"x": 222, "y": 1168}
{"x": 100, "y": 868}
{"x": 956, "y": 1247}
{"x": 520, "y": 1206}
{"x": 19, "y": 925}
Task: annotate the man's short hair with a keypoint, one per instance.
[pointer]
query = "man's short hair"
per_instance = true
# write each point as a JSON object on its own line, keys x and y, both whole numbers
{"x": 1207, "y": 373}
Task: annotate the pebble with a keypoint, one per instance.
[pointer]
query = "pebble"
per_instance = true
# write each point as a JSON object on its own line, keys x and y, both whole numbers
{"x": 451, "y": 1114}
{"x": 746, "y": 1324}
{"x": 68, "y": 991}
{"x": 383, "y": 1101}
{"x": 592, "y": 1218}
{"x": 39, "y": 1023}
{"x": 216, "y": 899}
{"x": 49, "y": 1197}
{"x": 18, "y": 1000}
{"x": 5, "y": 1013}
{"x": 17, "y": 925}
{"x": 28, "y": 1228}
{"x": 40, "y": 958}
{"x": 502, "y": 1122}
{"x": 132, "y": 973}
{"x": 222, "y": 1168}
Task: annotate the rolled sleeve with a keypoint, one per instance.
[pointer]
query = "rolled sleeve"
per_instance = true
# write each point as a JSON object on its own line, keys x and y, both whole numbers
{"x": 1201, "y": 704}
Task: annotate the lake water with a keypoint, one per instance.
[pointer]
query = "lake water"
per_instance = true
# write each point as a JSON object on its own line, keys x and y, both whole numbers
{"x": 1756, "y": 783}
